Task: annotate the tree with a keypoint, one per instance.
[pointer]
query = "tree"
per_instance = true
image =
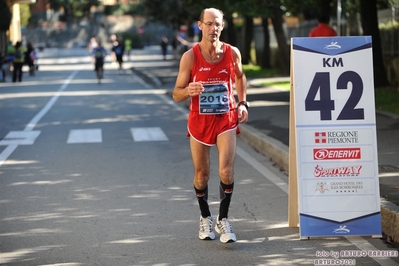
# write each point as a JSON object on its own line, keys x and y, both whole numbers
{"x": 6, "y": 16}
{"x": 369, "y": 19}
{"x": 283, "y": 48}
{"x": 5, "y": 22}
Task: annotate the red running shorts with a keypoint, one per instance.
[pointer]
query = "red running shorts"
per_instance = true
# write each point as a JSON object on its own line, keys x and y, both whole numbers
{"x": 206, "y": 128}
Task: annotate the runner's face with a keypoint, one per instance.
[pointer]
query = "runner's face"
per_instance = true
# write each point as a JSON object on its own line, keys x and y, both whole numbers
{"x": 212, "y": 25}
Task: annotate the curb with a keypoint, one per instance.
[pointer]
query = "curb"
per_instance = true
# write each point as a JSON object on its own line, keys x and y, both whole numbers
{"x": 278, "y": 153}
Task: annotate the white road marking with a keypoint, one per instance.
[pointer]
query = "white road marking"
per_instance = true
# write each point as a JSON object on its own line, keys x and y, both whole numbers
{"x": 85, "y": 136}
{"x": 31, "y": 125}
{"x": 148, "y": 134}
{"x": 20, "y": 138}
{"x": 50, "y": 103}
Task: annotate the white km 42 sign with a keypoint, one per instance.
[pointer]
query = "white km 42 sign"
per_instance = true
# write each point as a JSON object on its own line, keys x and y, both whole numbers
{"x": 335, "y": 136}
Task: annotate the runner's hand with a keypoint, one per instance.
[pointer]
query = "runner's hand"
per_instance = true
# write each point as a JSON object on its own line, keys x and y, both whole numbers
{"x": 195, "y": 88}
{"x": 242, "y": 114}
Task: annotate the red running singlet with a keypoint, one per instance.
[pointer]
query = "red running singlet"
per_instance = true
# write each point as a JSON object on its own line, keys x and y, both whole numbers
{"x": 214, "y": 111}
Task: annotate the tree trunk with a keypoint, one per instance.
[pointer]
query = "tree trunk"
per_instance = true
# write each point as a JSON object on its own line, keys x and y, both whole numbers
{"x": 6, "y": 16}
{"x": 249, "y": 26}
{"x": 369, "y": 18}
{"x": 265, "y": 60}
{"x": 325, "y": 8}
{"x": 231, "y": 32}
{"x": 283, "y": 48}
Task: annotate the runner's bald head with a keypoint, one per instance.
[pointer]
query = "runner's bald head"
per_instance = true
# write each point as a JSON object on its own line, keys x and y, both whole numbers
{"x": 214, "y": 10}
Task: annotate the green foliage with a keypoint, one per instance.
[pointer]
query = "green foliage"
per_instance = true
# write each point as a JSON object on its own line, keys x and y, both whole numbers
{"x": 24, "y": 13}
{"x": 254, "y": 71}
{"x": 389, "y": 33}
{"x": 78, "y": 8}
{"x": 121, "y": 9}
{"x": 386, "y": 99}
{"x": 285, "y": 85}
{"x": 137, "y": 40}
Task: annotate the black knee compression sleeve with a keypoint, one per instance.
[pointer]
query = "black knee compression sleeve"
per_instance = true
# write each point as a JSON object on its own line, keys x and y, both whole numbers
{"x": 226, "y": 192}
{"x": 202, "y": 197}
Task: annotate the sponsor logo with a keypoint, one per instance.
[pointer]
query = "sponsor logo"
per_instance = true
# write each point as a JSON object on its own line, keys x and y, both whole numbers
{"x": 205, "y": 69}
{"x": 228, "y": 190}
{"x": 344, "y": 171}
{"x": 223, "y": 71}
{"x": 341, "y": 230}
{"x": 320, "y": 137}
{"x": 333, "y": 137}
{"x": 333, "y": 45}
{"x": 336, "y": 154}
{"x": 346, "y": 186}
{"x": 322, "y": 187}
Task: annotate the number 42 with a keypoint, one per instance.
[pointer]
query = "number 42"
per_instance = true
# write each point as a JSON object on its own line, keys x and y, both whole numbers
{"x": 321, "y": 83}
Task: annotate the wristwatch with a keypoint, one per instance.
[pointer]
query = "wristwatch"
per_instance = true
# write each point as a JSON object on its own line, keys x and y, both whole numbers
{"x": 245, "y": 103}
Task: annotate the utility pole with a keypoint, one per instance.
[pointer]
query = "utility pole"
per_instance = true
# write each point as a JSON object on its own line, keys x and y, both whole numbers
{"x": 339, "y": 11}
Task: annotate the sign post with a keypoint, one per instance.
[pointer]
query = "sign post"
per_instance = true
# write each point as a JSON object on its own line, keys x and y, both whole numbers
{"x": 335, "y": 137}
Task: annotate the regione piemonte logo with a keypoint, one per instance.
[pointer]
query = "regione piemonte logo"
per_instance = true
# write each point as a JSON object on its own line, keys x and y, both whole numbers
{"x": 336, "y": 154}
{"x": 320, "y": 137}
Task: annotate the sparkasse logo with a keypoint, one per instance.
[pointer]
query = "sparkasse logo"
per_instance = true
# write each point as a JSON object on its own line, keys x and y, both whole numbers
{"x": 336, "y": 154}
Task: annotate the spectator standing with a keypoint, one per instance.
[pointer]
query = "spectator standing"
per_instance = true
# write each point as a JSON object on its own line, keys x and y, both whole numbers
{"x": 18, "y": 62}
{"x": 30, "y": 58}
{"x": 10, "y": 57}
{"x": 128, "y": 48}
{"x": 164, "y": 46}
{"x": 174, "y": 47}
{"x": 322, "y": 29}
{"x": 3, "y": 67}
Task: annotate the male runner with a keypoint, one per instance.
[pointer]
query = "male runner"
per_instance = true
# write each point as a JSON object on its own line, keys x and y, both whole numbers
{"x": 207, "y": 75}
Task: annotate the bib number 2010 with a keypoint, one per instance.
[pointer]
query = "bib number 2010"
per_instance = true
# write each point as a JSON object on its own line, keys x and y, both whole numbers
{"x": 325, "y": 105}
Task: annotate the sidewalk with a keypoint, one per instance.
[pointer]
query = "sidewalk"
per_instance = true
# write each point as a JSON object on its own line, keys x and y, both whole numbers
{"x": 268, "y": 132}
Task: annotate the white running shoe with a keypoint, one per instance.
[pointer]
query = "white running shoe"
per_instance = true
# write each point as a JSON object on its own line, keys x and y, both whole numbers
{"x": 206, "y": 228}
{"x": 225, "y": 230}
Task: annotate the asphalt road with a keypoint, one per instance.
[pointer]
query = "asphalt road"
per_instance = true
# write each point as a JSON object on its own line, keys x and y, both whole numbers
{"x": 100, "y": 174}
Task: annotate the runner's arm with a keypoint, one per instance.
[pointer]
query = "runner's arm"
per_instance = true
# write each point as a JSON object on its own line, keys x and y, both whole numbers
{"x": 180, "y": 91}
{"x": 241, "y": 85}
{"x": 241, "y": 79}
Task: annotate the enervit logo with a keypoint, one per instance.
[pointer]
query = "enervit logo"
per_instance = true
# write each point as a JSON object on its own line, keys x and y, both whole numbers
{"x": 336, "y": 154}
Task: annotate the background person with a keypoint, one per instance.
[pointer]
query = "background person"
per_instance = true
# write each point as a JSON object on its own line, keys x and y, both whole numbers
{"x": 128, "y": 48}
{"x": 323, "y": 29}
{"x": 99, "y": 54}
{"x": 164, "y": 46}
{"x": 10, "y": 54}
{"x": 3, "y": 67}
{"x": 30, "y": 58}
{"x": 208, "y": 70}
{"x": 92, "y": 44}
{"x": 117, "y": 51}
{"x": 18, "y": 62}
